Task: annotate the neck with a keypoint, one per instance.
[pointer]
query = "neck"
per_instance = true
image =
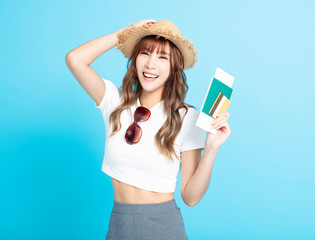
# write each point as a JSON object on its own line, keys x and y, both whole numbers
{"x": 148, "y": 100}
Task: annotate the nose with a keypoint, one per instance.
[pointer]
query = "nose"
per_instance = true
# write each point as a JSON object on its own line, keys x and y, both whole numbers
{"x": 150, "y": 64}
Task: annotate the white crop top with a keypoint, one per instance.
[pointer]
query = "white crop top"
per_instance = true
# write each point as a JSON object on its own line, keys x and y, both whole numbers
{"x": 142, "y": 165}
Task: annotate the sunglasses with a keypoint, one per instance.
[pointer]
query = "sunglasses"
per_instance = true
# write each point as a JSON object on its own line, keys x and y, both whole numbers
{"x": 134, "y": 132}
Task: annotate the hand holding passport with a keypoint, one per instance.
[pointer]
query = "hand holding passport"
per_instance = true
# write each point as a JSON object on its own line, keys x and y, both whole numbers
{"x": 217, "y": 100}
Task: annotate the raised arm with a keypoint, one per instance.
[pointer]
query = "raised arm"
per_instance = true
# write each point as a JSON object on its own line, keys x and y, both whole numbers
{"x": 79, "y": 59}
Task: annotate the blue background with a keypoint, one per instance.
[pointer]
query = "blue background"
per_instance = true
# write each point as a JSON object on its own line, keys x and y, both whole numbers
{"x": 52, "y": 136}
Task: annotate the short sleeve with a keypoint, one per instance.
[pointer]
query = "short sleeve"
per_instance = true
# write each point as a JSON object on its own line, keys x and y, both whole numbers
{"x": 111, "y": 99}
{"x": 193, "y": 136}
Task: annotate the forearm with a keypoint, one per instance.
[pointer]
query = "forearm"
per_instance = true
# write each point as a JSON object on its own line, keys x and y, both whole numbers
{"x": 199, "y": 182}
{"x": 89, "y": 51}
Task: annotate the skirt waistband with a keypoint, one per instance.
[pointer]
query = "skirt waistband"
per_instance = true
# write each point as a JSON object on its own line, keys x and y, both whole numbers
{"x": 144, "y": 208}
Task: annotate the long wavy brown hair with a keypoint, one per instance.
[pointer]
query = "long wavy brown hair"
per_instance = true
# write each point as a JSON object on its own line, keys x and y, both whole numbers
{"x": 174, "y": 93}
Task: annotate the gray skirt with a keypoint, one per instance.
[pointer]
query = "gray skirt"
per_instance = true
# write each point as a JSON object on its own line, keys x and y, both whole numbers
{"x": 146, "y": 222}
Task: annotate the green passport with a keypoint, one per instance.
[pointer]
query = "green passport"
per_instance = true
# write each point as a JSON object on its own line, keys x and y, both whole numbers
{"x": 218, "y": 98}
{"x": 215, "y": 89}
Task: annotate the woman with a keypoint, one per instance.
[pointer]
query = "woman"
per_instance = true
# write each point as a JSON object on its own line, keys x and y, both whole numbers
{"x": 150, "y": 131}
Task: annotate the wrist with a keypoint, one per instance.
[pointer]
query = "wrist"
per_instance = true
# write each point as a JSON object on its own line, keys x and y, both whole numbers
{"x": 117, "y": 33}
{"x": 120, "y": 31}
{"x": 210, "y": 149}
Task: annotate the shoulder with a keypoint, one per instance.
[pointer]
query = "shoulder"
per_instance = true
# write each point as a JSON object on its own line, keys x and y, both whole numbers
{"x": 112, "y": 97}
{"x": 189, "y": 113}
{"x": 192, "y": 135}
{"x": 189, "y": 117}
{"x": 109, "y": 84}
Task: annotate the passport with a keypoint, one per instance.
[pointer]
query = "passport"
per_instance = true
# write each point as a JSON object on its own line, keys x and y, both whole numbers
{"x": 217, "y": 99}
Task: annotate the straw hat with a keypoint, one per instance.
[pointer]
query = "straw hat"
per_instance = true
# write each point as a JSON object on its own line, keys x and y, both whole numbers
{"x": 130, "y": 36}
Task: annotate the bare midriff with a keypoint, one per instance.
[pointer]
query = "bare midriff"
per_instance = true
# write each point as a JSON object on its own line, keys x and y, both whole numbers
{"x": 125, "y": 193}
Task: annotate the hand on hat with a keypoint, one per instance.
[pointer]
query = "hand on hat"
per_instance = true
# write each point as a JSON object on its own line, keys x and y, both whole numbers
{"x": 143, "y": 22}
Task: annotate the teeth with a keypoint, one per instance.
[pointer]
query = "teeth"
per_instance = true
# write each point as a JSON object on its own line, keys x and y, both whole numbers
{"x": 149, "y": 75}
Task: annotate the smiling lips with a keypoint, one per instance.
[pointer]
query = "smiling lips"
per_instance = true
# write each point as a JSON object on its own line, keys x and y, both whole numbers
{"x": 150, "y": 76}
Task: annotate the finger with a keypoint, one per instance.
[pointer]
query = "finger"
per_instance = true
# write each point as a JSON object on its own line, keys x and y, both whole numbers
{"x": 227, "y": 127}
{"x": 225, "y": 114}
{"x": 217, "y": 122}
{"x": 218, "y": 119}
{"x": 227, "y": 130}
{"x": 150, "y": 21}
{"x": 144, "y": 22}
{"x": 219, "y": 125}
{"x": 224, "y": 126}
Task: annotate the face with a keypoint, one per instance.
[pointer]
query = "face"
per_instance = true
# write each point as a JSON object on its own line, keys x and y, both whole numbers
{"x": 153, "y": 69}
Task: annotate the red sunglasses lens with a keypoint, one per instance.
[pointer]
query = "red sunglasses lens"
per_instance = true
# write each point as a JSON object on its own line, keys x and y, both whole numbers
{"x": 142, "y": 114}
{"x": 133, "y": 133}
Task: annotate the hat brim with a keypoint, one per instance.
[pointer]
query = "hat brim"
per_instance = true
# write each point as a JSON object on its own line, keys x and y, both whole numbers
{"x": 129, "y": 38}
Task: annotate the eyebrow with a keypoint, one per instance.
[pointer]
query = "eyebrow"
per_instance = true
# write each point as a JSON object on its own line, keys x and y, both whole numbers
{"x": 164, "y": 53}
{"x": 160, "y": 52}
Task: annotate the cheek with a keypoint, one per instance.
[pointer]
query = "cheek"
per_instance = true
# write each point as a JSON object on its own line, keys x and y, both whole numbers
{"x": 139, "y": 60}
{"x": 167, "y": 69}
{"x": 138, "y": 65}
